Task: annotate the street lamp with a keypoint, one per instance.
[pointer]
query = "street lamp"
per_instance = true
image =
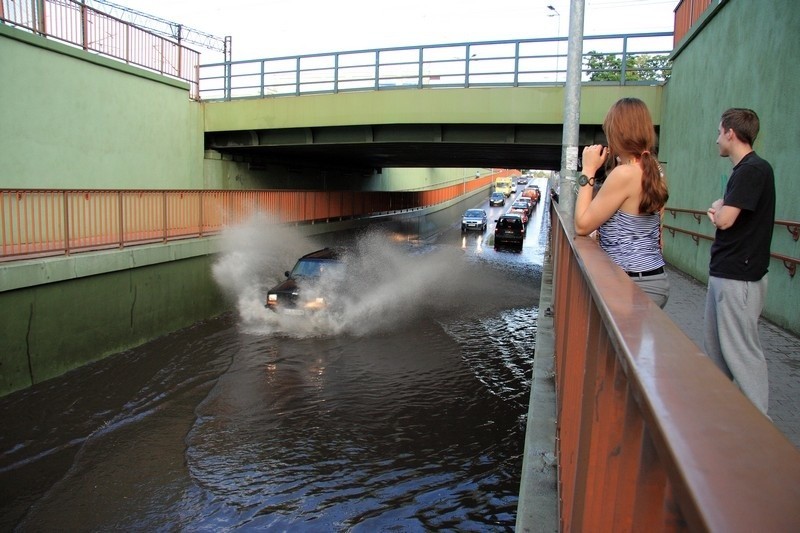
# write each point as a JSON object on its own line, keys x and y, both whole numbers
{"x": 555, "y": 13}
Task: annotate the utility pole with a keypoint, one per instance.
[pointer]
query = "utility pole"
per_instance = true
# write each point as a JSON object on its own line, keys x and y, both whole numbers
{"x": 572, "y": 108}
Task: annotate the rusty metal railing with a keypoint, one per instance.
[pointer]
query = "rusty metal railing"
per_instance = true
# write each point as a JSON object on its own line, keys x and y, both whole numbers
{"x": 41, "y": 223}
{"x": 650, "y": 435}
{"x": 75, "y": 23}
{"x": 687, "y": 12}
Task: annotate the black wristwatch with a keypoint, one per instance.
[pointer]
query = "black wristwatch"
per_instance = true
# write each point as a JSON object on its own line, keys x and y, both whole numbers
{"x": 583, "y": 179}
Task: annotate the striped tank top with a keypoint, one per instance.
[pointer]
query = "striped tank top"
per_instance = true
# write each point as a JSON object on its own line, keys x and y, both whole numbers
{"x": 633, "y": 241}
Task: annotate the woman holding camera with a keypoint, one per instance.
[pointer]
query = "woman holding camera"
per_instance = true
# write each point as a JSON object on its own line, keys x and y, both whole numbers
{"x": 627, "y": 209}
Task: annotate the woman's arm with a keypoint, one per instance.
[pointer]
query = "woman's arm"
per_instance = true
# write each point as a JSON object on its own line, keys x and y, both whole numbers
{"x": 591, "y": 213}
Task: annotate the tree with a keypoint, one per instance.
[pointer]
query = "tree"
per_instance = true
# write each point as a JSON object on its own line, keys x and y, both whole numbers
{"x": 608, "y": 67}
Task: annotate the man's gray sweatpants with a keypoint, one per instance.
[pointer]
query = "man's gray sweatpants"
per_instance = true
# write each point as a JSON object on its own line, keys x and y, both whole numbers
{"x": 731, "y": 334}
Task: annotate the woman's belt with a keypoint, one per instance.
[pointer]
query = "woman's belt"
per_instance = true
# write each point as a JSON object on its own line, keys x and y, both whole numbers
{"x": 654, "y": 272}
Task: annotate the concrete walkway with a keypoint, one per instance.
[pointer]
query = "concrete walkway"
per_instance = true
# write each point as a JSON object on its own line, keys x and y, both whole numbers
{"x": 538, "y": 508}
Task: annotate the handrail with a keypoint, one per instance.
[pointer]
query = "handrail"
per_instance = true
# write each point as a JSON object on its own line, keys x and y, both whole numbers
{"x": 790, "y": 263}
{"x": 508, "y": 63}
{"x": 75, "y": 23}
{"x": 41, "y": 222}
{"x": 651, "y": 436}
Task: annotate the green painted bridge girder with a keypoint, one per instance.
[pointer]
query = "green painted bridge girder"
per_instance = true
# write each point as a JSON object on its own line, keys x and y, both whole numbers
{"x": 510, "y": 127}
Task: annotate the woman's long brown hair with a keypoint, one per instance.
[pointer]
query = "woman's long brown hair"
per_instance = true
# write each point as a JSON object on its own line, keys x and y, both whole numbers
{"x": 629, "y": 129}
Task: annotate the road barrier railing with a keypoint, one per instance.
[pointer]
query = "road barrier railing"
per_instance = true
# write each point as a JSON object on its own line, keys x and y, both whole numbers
{"x": 650, "y": 435}
{"x": 41, "y": 222}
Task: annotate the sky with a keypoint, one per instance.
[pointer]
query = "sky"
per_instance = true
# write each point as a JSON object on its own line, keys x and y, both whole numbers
{"x": 276, "y": 28}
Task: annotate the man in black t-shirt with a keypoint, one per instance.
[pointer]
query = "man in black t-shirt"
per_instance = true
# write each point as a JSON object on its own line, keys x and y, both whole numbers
{"x": 737, "y": 282}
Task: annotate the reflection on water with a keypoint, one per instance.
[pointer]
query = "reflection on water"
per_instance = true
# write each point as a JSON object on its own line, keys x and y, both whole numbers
{"x": 407, "y": 415}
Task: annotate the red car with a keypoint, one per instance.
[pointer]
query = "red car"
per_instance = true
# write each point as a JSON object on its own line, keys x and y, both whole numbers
{"x": 533, "y": 193}
{"x": 521, "y": 209}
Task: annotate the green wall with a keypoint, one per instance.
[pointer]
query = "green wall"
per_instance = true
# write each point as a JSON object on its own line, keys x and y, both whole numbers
{"x": 50, "y": 328}
{"x": 744, "y": 56}
{"x": 71, "y": 119}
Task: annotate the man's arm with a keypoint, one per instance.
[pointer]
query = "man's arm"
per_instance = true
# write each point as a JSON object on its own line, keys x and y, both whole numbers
{"x": 722, "y": 216}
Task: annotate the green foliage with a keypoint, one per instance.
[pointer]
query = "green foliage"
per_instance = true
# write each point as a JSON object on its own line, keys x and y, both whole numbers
{"x": 644, "y": 67}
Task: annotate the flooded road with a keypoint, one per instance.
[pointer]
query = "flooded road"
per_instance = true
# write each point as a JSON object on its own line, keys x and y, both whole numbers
{"x": 404, "y": 412}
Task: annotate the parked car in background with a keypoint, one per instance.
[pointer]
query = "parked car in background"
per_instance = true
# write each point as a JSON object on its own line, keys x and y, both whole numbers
{"x": 474, "y": 219}
{"x": 521, "y": 209}
{"x": 509, "y": 232}
{"x": 497, "y": 198}
{"x": 292, "y": 296}
{"x": 532, "y": 192}
{"x": 528, "y": 202}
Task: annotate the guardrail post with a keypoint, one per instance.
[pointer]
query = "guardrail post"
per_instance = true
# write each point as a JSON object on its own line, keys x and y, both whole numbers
{"x": 420, "y": 59}
{"x": 164, "y": 214}
{"x": 263, "y": 79}
{"x": 84, "y": 26}
{"x": 336, "y": 73}
{"x": 39, "y": 18}
{"x": 120, "y": 204}
{"x": 624, "y": 66}
{"x": 297, "y": 77}
{"x": 377, "y": 69}
{"x": 466, "y": 67}
{"x": 66, "y": 222}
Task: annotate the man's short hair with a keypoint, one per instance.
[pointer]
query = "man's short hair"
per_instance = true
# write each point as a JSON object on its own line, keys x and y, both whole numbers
{"x": 744, "y": 123}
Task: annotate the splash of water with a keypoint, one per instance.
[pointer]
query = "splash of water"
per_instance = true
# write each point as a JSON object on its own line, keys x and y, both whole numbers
{"x": 386, "y": 285}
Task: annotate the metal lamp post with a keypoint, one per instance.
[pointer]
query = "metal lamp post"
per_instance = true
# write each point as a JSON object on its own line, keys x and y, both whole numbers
{"x": 555, "y": 13}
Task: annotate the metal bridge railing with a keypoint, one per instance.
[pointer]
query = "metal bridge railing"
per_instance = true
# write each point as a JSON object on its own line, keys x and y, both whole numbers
{"x": 650, "y": 435}
{"x": 41, "y": 223}
{"x": 617, "y": 59}
{"x": 74, "y": 23}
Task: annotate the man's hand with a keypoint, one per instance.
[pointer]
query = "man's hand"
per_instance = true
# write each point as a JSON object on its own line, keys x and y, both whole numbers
{"x": 712, "y": 211}
{"x": 721, "y": 215}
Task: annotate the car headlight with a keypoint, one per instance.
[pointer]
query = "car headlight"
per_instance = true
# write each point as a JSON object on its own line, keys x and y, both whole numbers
{"x": 272, "y": 298}
{"x": 316, "y": 303}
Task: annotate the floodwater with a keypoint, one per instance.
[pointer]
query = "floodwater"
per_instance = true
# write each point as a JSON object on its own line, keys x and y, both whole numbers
{"x": 405, "y": 411}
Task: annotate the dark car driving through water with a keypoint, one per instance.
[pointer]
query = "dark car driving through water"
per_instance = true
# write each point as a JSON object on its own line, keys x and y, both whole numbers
{"x": 509, "y": 232}
{"x": 302, "y": 291}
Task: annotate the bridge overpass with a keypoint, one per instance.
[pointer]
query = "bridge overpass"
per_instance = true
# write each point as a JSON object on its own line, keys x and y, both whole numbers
{"x": 497, "y": 127}
{"x": 481, "y": 104}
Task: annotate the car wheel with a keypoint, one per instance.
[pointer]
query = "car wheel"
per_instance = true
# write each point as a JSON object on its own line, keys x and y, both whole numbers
{"x": 463, "y": 228}
{"x": 484, "y": 227}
